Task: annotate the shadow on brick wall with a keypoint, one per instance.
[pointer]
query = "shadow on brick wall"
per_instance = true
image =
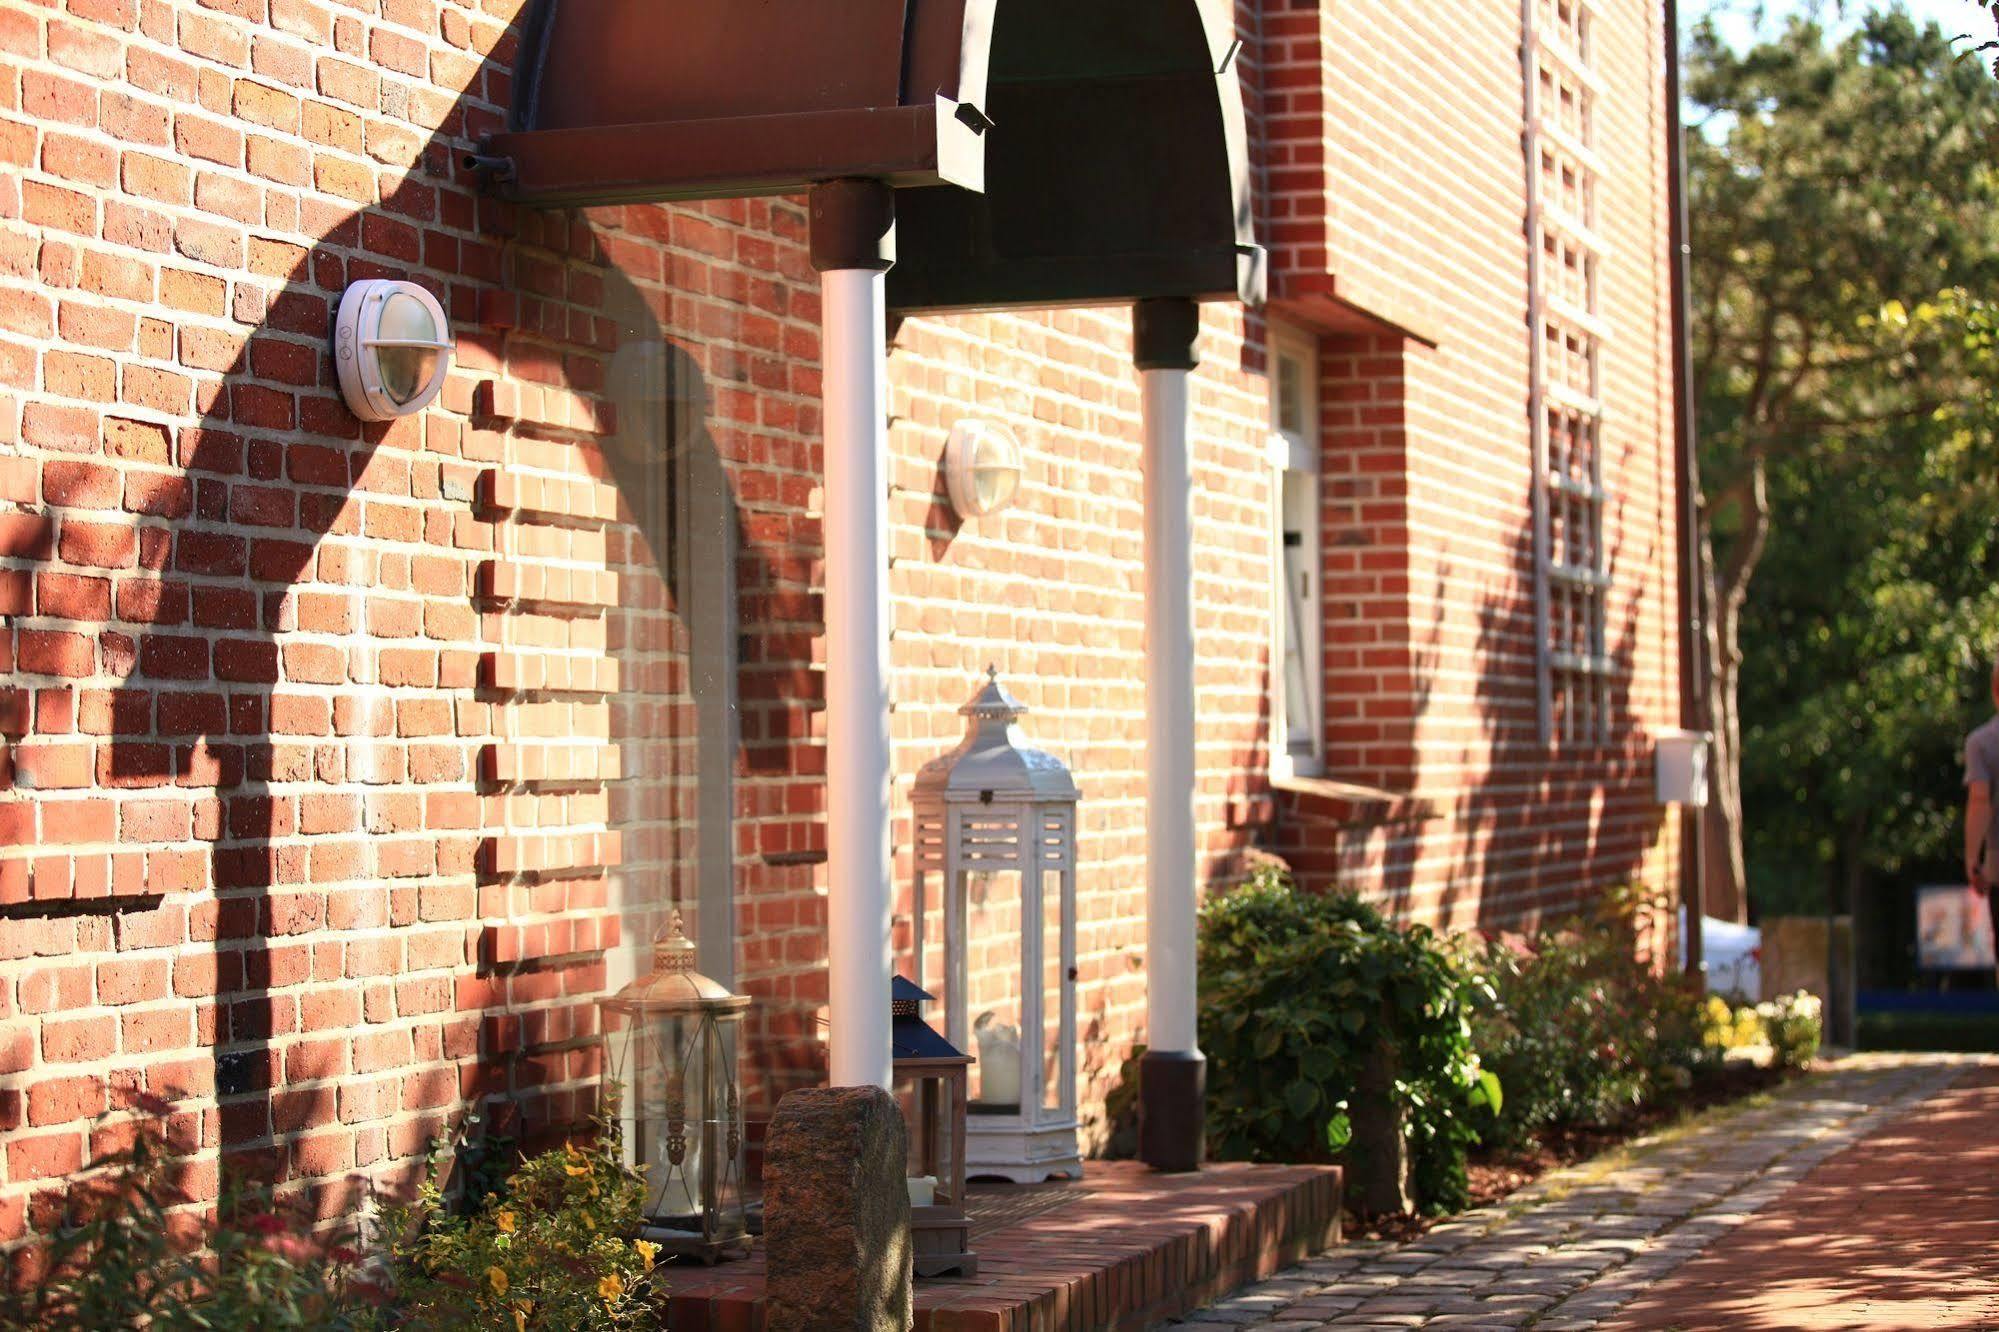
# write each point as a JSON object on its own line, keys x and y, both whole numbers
{"x": 1560, "y": 820}
{"x": 261, "y": 633}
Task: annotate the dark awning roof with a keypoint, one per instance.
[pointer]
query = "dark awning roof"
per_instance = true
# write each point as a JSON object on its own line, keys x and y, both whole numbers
{"x": 1106, "y": 135}
{"x": 699, "y": 99}
{"x": 1116, "y": 167}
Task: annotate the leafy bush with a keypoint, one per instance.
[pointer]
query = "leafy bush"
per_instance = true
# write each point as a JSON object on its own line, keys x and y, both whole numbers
{"x": 124, "y": 1263}
{"x": 550, "y": 1250}
{"x": 1579, "y": 1026}
{"x": 1724, "y": 1028}
{"x": 1296, "y": 990}
{"x": 1792, "y": 1024}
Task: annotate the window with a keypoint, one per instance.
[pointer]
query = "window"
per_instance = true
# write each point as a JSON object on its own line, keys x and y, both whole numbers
{"x": 1567, "y": 336}
{"x": 1297, "y": 685}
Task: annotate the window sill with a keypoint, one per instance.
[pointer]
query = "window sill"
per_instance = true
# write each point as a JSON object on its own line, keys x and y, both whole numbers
{"x": 1353, "y": 803}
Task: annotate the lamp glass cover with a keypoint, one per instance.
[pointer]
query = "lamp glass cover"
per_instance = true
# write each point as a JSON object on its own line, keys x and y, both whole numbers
{"x": 994, "y": 479}
{"x": 995, "y": 470}
{"x": 406, "y": 371}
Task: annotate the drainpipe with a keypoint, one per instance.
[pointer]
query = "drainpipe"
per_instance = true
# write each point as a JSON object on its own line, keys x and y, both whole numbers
{"x": 1173, "y": 1073}
{"x": 1686, "y": 495}
{"x": 853, "y": 247}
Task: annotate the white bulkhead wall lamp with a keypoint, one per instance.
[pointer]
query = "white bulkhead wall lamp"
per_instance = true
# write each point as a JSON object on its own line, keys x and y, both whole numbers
{"x": 391, "y": 347}
{"x": 981, "y": 468}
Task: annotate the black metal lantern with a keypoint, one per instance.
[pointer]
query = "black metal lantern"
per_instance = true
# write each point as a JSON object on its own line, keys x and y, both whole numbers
{"x": 673, "y": 1073}
{"x": 930, "y": 1086}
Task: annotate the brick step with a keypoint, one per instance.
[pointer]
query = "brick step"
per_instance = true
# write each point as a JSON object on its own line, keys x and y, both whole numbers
{"x": 1129, "y": 1251}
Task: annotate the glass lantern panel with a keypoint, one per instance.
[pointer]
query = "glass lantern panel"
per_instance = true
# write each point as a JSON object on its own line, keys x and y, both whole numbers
{"x": 930, "y": 933}
{"x": 673, "y": 1135}
{"x": 1054, "y": 985}
{"x": 681, "y": 1115}
{"x": 995, "y": 936}
{"x": 928, "y": 1114}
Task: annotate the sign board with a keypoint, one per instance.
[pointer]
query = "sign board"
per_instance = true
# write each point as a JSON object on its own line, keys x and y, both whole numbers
{"x": 1953, "y": 929}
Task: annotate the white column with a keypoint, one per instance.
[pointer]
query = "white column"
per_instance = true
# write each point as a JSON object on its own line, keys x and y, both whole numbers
{"x": 1169, "y": 713}
{"x": 854, "y": 351}
{"x": 1173, "y": 1074}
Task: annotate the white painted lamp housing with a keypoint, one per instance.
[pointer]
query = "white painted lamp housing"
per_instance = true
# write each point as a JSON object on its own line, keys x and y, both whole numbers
{"x": 981, "y": 468}
{"x": 994, "y": 923}
{"x": 1680, "y": 766}
{"x": 391, "y": 346}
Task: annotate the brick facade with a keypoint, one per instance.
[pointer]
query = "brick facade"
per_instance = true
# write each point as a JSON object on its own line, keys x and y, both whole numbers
{"x": 345, "y": 768}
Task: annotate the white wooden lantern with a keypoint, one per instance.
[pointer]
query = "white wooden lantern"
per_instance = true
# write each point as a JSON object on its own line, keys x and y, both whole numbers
{"x": 995, "y": 923}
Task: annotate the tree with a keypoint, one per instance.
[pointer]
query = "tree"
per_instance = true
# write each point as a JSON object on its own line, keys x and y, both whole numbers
{"x": 1868, "y": 641}
{"x": 1829, "y": 182}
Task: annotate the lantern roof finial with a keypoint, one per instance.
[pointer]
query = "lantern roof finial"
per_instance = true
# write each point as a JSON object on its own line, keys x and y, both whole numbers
{"x": 673, "y": 985}
{"x": 994, "y": 700}
{"x": 672, "y": 950}
{"x": 994, "y": 762}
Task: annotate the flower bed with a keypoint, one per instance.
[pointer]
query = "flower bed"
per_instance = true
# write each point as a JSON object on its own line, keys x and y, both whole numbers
{"x": 550, "y": 1250}
{"x": 1534, "y": 1049}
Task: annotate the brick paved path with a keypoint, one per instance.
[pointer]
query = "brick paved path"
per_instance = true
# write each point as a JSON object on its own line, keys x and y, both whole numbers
{"x": 1901, "y": 1230}
{"x": 1571, "y": 1251}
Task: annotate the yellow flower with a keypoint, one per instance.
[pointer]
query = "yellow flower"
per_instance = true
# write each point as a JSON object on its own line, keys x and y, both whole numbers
{"x": 506, "y": 1221}
{"x": 499, "y": 1280}
{"x": 611, "y": 1288}
{"x": 520, "y": 1319}
{"x": 589, "y": 1222}
{"x": 576, "y": 1171}
{"x": 647, "y": 1251}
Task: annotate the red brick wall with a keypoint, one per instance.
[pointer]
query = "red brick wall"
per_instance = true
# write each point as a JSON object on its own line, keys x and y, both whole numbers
{"x": 1398, "y": 200}
{"x": 274, "y": 844}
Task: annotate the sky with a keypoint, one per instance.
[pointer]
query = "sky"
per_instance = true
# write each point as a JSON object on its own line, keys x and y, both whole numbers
{"x": 1738, "y": 18}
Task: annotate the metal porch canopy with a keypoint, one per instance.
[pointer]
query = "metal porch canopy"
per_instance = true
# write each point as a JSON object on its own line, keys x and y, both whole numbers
{"x": 1044, "y": 152}
{"x": 959, "y": 155}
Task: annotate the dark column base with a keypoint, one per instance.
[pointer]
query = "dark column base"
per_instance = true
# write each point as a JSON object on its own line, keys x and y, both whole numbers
{"x": 1173, "y": 1109}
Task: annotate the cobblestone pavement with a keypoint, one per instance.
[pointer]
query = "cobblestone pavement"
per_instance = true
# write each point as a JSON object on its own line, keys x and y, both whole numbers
{"x": 1570, "y": 1250}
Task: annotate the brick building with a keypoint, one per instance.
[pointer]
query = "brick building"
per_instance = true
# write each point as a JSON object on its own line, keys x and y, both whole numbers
{"x": 348, "y": 767}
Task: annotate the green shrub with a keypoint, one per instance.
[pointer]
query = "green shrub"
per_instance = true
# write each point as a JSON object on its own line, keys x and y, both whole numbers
{"x": 1789, "y": 1025}
{"x": 1578, "y": 1026}
{"x": 1296, "y": 990}
{"x": 123, "y": 1262}
{"x": 1724, "y": 1028}
{"x": 551, "y": 1250}
{"x": 1792, "y": 1023}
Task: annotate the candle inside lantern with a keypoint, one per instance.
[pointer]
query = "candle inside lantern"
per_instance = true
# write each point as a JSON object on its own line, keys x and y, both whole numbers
{"x": 923, "y": 1191}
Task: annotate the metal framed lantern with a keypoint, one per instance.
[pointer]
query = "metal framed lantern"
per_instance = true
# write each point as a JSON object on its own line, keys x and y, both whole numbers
{"x": 995, "y": 919}
{"x": 929, "y": 1074}
{"x": 673, "y": 1073}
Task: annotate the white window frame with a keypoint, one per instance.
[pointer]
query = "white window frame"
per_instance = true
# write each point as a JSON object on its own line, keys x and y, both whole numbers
{"x": 1295, "y": 462}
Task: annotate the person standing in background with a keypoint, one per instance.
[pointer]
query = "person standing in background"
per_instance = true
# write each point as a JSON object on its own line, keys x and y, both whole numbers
{"x": 1981, "y": 820}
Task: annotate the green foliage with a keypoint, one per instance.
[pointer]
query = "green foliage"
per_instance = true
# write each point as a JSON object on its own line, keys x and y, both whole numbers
{"x": 126, "y": 1264}
{"x": 1724, "y": 1028}
{"x": 550, "y": 1252}
{"x": 1868, "y": 644}
{"x": 1296, "y": 990}
{"x": 1844, "y": 198}
{"x": 1829, "y": 179}
{"x": 1792, "y": 1023}
{"x": 1578, "y": 1027}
